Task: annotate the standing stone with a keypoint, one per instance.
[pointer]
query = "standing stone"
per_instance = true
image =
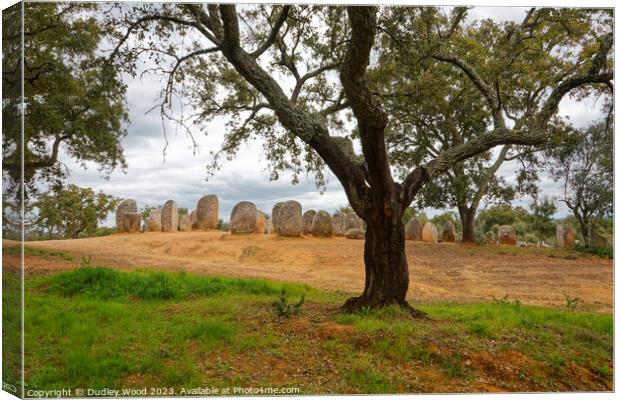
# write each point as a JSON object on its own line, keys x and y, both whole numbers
{"x": 355, "y": 234}
{"x": 153, "y": 223}
{"x": 268, "y": 226}
{"x": 193, "y": 219}
{"x": 429, "y": 232}
{"x": 322, "y": 224}
{"x": 259, "y": 227}
{"x": 185, "y": 223}
{"x": 413, "y": 229}
{"x": 353, "y": 221}
{"x": 339, "y": 222}
{"x": 275, "y": 212}
{"x": 506, "y": 235}
{"x": 449, "y": 232}
{"x": 243, "y": 218}
{"x": 287, "y": 219}
{"x": 169, "y": 217}
{"x": 207, "y": 212}
{"x": 125, "y": 206}
{"x": 491, "y": 238}
{"x": 131, "y": 222}
{"x": 564, "y": 237}
{"x": 308, "y": 219}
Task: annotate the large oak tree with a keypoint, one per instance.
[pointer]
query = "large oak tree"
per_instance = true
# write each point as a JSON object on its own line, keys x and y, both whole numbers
{"x": 292, "y": 74}
{"x": 448, "y": 80}
{"x": 73, "y": 100}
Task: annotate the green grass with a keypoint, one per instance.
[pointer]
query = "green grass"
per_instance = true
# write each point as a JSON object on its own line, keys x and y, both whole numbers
{"x": 31, "y": 251}
{"x": 11, "y": 330}
{"x": 105, "y": 284}
{"x": 603, "y": 252}
{"x": 97, "y": 327}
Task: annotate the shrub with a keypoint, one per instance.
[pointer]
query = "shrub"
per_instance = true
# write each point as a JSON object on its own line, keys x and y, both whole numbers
{"x": 603, "y": 252}
{"x": 223, "y": 226}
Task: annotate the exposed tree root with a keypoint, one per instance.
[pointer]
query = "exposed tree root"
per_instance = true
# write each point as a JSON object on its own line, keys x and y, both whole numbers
{"x": 354, "y": 304}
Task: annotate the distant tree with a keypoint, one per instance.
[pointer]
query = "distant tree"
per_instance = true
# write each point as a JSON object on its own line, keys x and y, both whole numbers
{"x": 583, "y": 162}
{"x": 345, "y": 209}
{"x": 145, "y": 212}
{"x": 223, "y": 226}
{"x": 541, "y": 220}
{"x": 74, "y": 101}
{"x": 503, "y": 214}
{"x": 72, "y": 210}
{"x": 183, "y": 211}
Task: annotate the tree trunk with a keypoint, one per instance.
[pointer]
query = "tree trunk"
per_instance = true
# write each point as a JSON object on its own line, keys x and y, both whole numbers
{"x": 584, "y": 227}
{"x": 468, "y": 217}
{"x": 387, "y": 272}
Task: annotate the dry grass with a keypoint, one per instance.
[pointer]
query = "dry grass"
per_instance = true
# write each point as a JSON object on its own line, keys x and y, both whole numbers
{"x": 438, "y": 272}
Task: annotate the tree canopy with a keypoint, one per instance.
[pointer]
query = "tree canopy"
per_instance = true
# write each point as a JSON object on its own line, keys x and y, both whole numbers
{"x": 583, "y": 163}
{"x": 73, "y": 210}
{"x": 73, "y": 101}
{"x": 446, "y": 82}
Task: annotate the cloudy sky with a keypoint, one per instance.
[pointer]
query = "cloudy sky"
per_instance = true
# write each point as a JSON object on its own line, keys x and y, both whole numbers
{"x": 151, "y": 180}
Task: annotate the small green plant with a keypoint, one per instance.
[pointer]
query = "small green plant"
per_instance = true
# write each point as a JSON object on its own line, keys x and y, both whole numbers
{"x": 364, "y": 311}
{"x": 504, "y": 301}
{"x": 283, "y": 308}
{"x": 85, "y": 262}
{"x": 571, "y": 302}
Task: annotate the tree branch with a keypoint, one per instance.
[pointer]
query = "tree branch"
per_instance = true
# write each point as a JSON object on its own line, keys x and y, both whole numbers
{"x": 273, "y": 34}
{"x": 483, "y": 87}
{"x": 372, "y": 120}
{"x": 310, "y": 128}
{"x": 489, "y": 174}
{"x": 551, "y": 105}
{"x": 310, "y": 75}
{"x": 151, "y": 18}
{"x": 459, "y": 14}
{"x": 593, "y": 76}
{"x": 481, "y": 144}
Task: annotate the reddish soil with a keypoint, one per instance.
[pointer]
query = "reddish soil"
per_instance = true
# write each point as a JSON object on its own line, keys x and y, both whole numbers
{"x": 445, "y": 271}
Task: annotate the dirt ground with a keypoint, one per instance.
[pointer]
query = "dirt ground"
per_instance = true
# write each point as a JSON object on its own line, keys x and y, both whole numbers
{"x": 438, "y": 272}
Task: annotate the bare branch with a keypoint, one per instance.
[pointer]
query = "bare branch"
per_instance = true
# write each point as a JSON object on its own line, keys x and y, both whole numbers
{"x": 150, "y": 18}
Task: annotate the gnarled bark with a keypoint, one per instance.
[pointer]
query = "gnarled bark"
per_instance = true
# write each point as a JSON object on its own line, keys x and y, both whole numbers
{"x": 387, "y": 272}
{"x": 468, "y": 217}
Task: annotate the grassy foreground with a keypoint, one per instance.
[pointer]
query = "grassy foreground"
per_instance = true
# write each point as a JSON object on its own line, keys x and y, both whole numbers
{"x": 98, "y": 328}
